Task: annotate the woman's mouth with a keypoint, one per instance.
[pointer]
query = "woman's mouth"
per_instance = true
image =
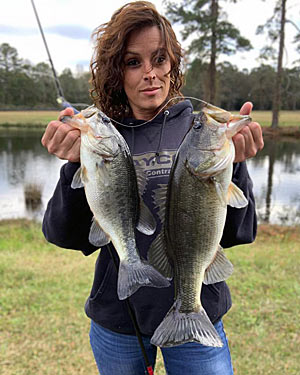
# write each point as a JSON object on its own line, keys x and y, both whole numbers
{"x": 150, "y": 90}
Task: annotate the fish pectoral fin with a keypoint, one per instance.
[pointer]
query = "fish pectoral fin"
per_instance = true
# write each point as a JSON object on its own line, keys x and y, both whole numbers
{"x": 146, "y": 223}
{"x": 102, "y": 170}
{"x": 158, "y": 257}
{"x": 77, "y": 182}
{"x": 236, "y": 197}
{"x": 219, "y": 269}
{"x": 221, "y": 193}
{"x": 97, "y": 236}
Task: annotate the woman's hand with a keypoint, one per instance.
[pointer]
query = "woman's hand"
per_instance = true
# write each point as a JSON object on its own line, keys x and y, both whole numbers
{"x": 62, "y": 140}
{"x": 249, "y": 140}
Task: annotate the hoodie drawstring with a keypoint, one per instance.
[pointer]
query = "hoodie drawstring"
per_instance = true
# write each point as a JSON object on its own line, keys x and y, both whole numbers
{"x": 166, "y": 113}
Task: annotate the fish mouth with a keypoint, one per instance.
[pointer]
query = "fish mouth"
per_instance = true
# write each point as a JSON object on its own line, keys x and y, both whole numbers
{"x": 222, "y": 116}
{"x": 77, "y": 121}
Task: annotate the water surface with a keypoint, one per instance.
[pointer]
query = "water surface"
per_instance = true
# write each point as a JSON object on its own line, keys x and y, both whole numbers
{"x": 275, "y": 172}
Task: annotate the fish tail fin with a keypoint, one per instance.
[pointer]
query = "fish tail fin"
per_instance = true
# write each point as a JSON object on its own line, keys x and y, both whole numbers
{"x": 133, "y": 276}
{"x": 178, "y": 328}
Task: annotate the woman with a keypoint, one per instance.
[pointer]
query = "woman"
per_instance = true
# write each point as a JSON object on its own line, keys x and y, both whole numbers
{"x": 136, "y": 71}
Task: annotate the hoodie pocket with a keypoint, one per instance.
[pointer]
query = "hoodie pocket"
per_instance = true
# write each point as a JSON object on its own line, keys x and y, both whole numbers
{"x": 103, "y": 283}
{"x": 214, "y": 289}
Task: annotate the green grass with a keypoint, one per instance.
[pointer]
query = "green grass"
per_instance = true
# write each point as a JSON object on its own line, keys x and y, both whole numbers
{"x": 263, "y": 325}
{"x": 44, "y": 330}
{"x": 41, "y": 118}
{"x": 27, "y": 118}
{"x": 286, "y": 118}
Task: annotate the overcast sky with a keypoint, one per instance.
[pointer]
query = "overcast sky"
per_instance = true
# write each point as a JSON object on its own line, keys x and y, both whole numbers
{"x": 68, "y": 25}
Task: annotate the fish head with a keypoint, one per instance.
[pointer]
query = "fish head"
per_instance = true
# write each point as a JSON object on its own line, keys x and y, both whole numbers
{"x": 210, "y": 138}
{"x": 97, "y": 131}
{"x": 213, "y": 126}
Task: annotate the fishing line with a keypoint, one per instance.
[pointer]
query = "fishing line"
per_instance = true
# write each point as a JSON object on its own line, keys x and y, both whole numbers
{"x": 61, "y": 98}
{"x": 146, "y": 122}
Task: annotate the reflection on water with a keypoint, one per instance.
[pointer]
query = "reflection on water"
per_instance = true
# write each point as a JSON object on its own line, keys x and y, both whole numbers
{"x": 275, "y": 172}
{"x": 24, "y": 161}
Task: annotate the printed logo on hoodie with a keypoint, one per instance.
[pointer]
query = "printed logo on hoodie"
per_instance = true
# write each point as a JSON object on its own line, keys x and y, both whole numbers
{"x": 155, "y": 165}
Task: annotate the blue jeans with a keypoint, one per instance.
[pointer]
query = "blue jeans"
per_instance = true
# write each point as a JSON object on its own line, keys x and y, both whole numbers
{"x": 117, "y": 354}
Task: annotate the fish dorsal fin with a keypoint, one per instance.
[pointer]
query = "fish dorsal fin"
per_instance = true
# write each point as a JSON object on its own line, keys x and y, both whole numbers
{"x": 141, "y": 179}
{"x": 236, "y": 197}
{"x": 158, "y": 257}
{"x": 97, "y": 236}
{"x": 219, "y": 269}
{"x": 77, "y": 182}
{"x": 146, "y": 223}
{"x": 159, "y": 198}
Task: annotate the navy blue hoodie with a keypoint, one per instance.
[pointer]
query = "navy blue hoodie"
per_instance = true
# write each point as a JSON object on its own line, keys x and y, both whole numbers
{"x": 68, "y": 218}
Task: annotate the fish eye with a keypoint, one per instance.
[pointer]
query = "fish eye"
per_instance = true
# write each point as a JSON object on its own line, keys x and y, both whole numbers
{"x": 197, "y": 124}
{"x": 105, "y": 119}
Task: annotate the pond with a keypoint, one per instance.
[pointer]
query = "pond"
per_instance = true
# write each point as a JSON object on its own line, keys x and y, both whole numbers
{"x": 26, "y": 170}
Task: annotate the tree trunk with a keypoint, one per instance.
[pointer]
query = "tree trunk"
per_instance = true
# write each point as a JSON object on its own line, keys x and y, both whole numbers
{"x": 277, "y": 91}
{"x": 272, "y": 159}
{"x": 212, "y": 65}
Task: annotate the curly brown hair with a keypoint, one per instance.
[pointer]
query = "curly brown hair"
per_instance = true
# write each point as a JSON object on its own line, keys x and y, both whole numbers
{"x": 107, "y": 65}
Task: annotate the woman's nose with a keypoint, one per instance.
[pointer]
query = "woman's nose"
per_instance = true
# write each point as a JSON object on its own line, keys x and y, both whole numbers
{"x": 149, "y": 73}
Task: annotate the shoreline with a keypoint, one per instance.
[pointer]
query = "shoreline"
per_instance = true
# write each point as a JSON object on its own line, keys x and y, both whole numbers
{"x": 281, "y": 132}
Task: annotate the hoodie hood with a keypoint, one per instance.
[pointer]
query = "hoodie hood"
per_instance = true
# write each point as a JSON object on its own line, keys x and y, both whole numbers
{"x": 174, "y": 111}
{"x": 140, "y": 132}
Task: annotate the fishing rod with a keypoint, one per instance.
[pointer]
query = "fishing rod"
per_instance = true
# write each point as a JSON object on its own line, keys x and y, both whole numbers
{"x": 149, "y": 368}
{"x": 61, "y": 98}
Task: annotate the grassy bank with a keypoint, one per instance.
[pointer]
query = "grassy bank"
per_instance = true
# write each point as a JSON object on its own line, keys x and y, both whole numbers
{"x": 41, "y": 118}
{"x": 43, "y": 328}
{"x": 30, "y": 119}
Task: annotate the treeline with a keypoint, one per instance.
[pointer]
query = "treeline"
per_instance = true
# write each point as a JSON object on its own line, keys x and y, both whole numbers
{"x": 234, "y": 86}
{"x": 27, "y": 86}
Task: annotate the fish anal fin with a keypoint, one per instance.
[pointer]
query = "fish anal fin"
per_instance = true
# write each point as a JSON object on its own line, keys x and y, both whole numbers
{"x": 236, "y": 197}
{"x": 97, "y": 236}
{"x": 146, "y": 222}
{"x": 219, "y": 269}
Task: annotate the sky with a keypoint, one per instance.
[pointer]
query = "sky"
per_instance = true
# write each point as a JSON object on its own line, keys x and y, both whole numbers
{"x": 68, "y": 25}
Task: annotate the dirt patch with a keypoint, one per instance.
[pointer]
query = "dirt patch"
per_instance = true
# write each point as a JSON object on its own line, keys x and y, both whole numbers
{"x": 266, "y": 231}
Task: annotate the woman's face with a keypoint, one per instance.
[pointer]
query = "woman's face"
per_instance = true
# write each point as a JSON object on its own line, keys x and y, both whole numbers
{"x": 146, "y": 73}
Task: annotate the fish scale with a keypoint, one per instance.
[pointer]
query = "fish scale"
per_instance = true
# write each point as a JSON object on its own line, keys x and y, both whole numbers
{"x": 197, "y": 195}
{"x": 108, "y": 176}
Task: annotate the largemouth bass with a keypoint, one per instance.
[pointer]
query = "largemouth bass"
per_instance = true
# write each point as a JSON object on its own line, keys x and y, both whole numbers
{"x": 197, "y": 196}
{"x": 109, "y": 179}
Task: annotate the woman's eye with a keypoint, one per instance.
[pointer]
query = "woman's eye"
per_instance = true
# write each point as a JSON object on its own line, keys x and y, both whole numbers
{"x": 160, "y": 59}
{"x": 132, "y": 62}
